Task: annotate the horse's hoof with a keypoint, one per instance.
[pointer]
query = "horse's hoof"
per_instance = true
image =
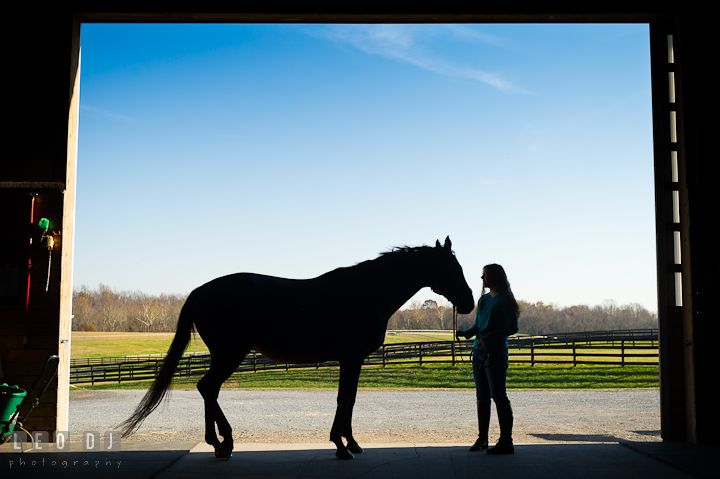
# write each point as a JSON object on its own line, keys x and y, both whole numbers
{"x": 224, "y": 451}
{"x": 223, "y": 455}
{"x": 227, "y": 451}
{"x": 354, "y": 448}
{"x": 344, "y": 454}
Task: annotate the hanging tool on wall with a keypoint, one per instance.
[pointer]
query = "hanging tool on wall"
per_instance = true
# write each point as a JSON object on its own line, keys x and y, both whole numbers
{"x": 48, "y": 242}
{"x": 29, "y": 271}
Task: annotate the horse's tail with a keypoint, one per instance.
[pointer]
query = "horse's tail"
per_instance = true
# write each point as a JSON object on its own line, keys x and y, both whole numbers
{"x": 159, "y": 388}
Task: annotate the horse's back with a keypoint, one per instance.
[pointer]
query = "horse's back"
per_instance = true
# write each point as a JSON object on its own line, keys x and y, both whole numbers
{"x": 242, "y": 298}
{"x": 285, "y": 319}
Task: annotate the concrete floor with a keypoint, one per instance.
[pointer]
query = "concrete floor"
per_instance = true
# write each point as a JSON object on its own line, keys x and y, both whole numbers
{"x": 166, "y": 460}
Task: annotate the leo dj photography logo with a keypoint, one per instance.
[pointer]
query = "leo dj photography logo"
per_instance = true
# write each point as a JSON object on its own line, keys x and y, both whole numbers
{"x": 40, "y": 441}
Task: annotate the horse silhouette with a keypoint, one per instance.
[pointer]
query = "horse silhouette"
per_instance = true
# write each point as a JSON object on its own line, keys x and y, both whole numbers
{"x": 298, "y": 321}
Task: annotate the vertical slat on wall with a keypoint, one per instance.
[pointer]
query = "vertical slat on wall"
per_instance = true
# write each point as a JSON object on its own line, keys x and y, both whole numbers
{"x": 681, "y": 229}
{"x": 672, "y": 223}
{"x": 68, "y": 237}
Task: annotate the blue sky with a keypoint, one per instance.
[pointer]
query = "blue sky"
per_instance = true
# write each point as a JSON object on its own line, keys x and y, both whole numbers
{"x": 291, "y": 150}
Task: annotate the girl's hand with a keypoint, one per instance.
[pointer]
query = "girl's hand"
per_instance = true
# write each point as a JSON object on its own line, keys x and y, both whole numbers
{"x": 484, "y": 340}
{"x": 459, "y": 333}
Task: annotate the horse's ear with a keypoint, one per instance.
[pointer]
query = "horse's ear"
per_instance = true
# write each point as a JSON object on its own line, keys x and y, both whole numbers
{"x": 437, "y": 244}
{"x": 448, "y": 243}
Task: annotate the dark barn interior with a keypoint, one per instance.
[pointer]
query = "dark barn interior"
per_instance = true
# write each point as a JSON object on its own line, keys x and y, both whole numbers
{"x": 38, "y": 174}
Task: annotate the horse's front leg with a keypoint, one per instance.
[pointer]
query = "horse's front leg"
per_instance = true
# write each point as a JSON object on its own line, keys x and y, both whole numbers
{"x": 352, "y": 444}
{"x": 342, "y": 425}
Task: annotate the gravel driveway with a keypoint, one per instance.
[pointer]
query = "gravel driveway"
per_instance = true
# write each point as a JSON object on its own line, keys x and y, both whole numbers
{"x": 408, "y": 416}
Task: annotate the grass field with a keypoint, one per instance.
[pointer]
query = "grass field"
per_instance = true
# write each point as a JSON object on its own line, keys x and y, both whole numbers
{"x": 107, "y": 347}
{"x": 594, "y": 354}
{"x": 414, "y": 336}
{"x": 90, "y": 348}
{"x": 430, "y": 376}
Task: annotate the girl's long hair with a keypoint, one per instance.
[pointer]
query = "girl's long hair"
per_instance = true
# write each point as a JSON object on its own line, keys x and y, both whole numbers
{"x": 498, "y": 279}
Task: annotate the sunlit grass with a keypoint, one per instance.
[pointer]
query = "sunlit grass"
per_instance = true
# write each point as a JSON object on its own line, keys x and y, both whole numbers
{"x": 127, "y": 347}
{"x": 96, "y": 348}
{"x": 585, "y": 354}
{"x": 417, "y": 336}
{"x": 431, "y": 376}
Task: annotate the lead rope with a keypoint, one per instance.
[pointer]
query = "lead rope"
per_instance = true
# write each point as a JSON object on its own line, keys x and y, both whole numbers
{"x": 456, "y": 349}
{"x": 454, "y": 331}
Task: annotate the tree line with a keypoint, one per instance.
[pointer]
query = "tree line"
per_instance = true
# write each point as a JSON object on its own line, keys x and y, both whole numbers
{"x": 535, "y": 318}
{"x": 104, "y": 309}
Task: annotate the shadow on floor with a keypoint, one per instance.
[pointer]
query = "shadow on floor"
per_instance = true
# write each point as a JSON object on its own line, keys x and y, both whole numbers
{"x": 586, "y": 459}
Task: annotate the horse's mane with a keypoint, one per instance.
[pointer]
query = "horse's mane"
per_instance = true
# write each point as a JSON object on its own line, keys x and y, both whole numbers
{"x": 405, "y": 249}
{"x": 395, "y": 253}
{"x": 399, "y": 250}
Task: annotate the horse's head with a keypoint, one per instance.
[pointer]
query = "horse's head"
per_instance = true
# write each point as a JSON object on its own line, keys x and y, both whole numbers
{"x": 448, "y": 279}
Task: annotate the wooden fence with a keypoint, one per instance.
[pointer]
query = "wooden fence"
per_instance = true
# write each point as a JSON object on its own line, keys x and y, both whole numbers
{"x": 637, "y": 347}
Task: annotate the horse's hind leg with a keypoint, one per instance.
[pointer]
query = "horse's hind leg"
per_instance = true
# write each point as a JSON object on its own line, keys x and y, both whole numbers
{"x": 209, "y": 387}
{"x": 342, "y": 425}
